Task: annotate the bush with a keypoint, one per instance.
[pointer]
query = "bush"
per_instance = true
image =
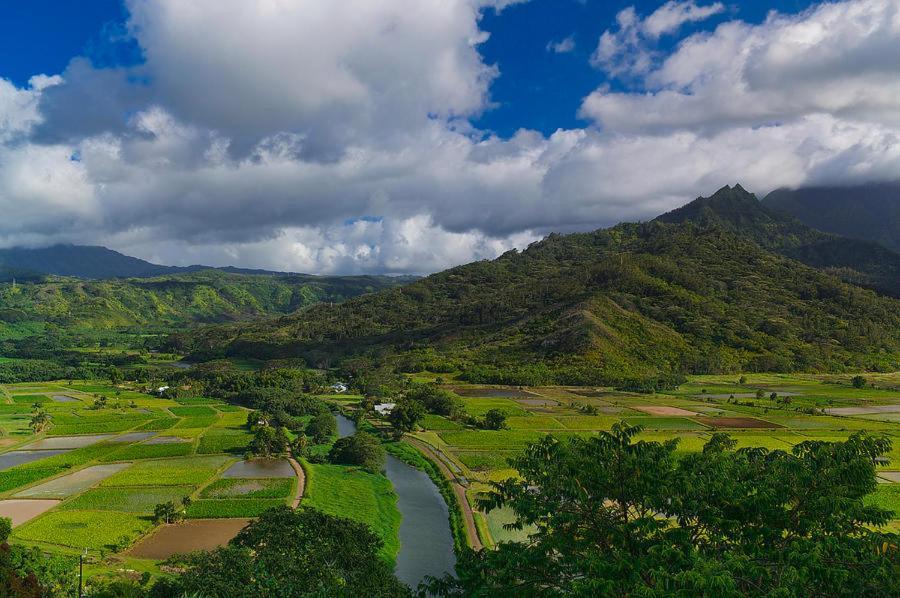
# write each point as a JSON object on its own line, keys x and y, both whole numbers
{"x": 361, "y": 449}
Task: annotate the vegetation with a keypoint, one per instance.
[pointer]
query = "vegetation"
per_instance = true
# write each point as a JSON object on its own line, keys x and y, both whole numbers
{"x": 612, "y": 516}
{"x": 406, "y": 415}
{"x": 636, "y": 306}
{"x": 290, "y": 553}
{"x": 361, "y": 449}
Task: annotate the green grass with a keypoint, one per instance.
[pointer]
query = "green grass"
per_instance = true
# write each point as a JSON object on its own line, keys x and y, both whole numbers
{"x": 169, "y": 472}
{"x": 150, "y": 451}
{"x": 480, "y": 460}
{"x": 665, "y": 423}
{"x": 219, "y": 440}
{"x": 587, "y": 422}
{"x": 358, "y": 495}
{"x": 30, "y": 399}
{"x": 502, "y": 439}
{"x": 249, "y": 488}
{"x": 887, "y": 496}
{"x": 534, "y": 422}
{"x": 436, "y": 422}
{"x": 97, "y": 427}
{"x": 200, "y": 421}
{"x": 158, "y": 423}
{"x": 84, "y": 529}
{"x": 193, "y": 411}
{"x": 130, "y": 500}
{"x": 235, "y": 507}
{"x": 196, "y": 401}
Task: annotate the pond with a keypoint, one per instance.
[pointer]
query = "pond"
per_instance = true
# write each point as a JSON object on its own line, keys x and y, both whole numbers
{"x": 260, "y": 468}
{"x": 426, "y": 544}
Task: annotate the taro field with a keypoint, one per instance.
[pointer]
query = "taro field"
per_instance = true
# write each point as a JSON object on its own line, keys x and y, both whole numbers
{"x": 90, "y": 480}
{"x": 774, "y": 411}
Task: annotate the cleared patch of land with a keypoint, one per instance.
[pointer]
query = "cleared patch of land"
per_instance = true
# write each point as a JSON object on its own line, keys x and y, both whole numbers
{"x": 73, "y": 483}
{"x": 187, "y": 536}
{"x": 22, "y": 510}
{"x": 65, "y": 442}
{"x": 662, "y": 410}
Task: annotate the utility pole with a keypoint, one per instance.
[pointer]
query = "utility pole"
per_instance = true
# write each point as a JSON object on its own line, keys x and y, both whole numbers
{"x": 81, "y": 573}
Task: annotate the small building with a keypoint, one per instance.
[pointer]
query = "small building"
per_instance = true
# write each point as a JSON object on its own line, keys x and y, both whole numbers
{"x": 162, "y": 389}
{"x": 384, "y": 408}
{"x": 339, "y": 387}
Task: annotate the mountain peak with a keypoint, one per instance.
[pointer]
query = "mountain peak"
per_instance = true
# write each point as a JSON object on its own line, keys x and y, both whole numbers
{"x": 729, "y": 205}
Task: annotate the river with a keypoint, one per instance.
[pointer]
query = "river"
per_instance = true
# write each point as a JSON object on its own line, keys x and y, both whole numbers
{"x": 426, "y": 544}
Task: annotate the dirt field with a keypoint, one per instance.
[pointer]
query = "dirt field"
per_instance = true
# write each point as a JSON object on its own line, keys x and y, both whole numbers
{"x": 736, "y": 422}
{"x": 193, "y": 534}
{"x": 873, "y": 409}
{"x": 659, "y": 410}
{"x": 21, "y": 510}
{"x": 73, "y": 483}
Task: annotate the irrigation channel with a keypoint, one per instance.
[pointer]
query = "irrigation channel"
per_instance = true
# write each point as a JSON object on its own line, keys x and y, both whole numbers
{"x": 426, "y": 544}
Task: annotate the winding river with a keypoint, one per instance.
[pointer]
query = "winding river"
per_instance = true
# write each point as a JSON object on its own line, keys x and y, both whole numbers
{"x": 426, "y": 544}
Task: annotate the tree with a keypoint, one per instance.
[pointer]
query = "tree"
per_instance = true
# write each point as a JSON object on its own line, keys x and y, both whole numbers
{"x": 760, "y": 393}
{"x": 322, "y": 428}
{"x": 167, "y": 512}
{"x": 858, "y": 382}
{"x": 268, "y": 441}
{"x": 290, "y": 553}
{"x": 361, "y": 449}
{"x": 494, "y": 419}
{"x": 40, "y": 420}
{"x": 406, "y": 415}
{"x": 613, "y": 517}
{"x": 742, "y": 380}
{"x": 435, "y": 399}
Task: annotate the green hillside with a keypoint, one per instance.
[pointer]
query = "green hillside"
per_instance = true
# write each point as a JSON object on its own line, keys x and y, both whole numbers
{"x": 171, "y": 300}
{"x": 860, "y": 262}
{"x": 870, "y": 212}
{"x": 629, "y": 305}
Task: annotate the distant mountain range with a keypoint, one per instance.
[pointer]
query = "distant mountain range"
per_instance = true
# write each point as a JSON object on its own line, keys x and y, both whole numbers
{"x": 870, "y": 212}
{"x": 715, "y": 286}
{"x": 89, "y": 262}
{"x": 861, "y": 262}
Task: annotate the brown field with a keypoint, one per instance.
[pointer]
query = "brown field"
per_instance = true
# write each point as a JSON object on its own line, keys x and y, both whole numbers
{"x": 737, "y": 422}
{"x": 194, "y": 534}
{"x": 21, "y": 510}
{"x": 659, "y": 410}
{"x": 870, "y": 410}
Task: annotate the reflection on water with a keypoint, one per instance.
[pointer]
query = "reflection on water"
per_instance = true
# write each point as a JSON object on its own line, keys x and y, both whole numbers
{"x": 426, "y": 544}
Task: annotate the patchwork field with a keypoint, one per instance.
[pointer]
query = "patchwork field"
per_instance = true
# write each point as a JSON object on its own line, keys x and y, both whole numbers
{"x": 92, "y": 478}
{"x": 775, "y": 411}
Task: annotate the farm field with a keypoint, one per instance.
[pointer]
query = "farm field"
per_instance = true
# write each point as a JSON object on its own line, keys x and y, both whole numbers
{"x": 774, "y": 411}
{"x": 92, "y": 478}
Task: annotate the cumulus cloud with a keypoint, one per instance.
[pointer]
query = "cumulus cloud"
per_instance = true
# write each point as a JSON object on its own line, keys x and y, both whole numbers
{"x": 837, "y": 59}
{"x": 563, "y": 46}
{"x": 335, "y": 137}
{"x": 630, "y": 50}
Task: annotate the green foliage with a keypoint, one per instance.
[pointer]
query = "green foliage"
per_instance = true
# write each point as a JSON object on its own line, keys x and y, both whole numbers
{"x": 268, "y": 441}
{"x": 141, "y": 500}
{"x": 436, "y": 400}
{"x": 361, "y": 449}
{"x": 232, "y": 507}
{"x": 168, "y": 472}
{"x": 150, "y": 451}
{"x": 494, "y": 420}
{"x": 290, "y": 553}
{"x": 858, "y": 382}
{"x": 94, "y": 530}
{"x": 322, "y": 428}
{"x": 248, "y": 488}
{"x": 406, "y": 415}
{"x": 611, "y": 516}
{"x": 635, "y": 306}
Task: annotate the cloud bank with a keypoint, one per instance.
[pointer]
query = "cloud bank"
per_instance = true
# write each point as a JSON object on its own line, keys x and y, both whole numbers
{"x": 335, "y": 137}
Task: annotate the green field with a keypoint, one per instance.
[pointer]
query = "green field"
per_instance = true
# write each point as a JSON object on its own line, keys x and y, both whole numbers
{"x": 359, "y": 495}
{"x": 107, "y": 530}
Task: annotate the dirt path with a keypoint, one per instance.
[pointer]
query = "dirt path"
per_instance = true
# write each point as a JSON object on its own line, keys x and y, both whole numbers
{"x": 301, "y": 481}
{"x": 458, "y": 489}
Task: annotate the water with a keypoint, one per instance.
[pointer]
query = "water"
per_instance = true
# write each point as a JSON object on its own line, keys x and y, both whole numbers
{"x": 426, "y": 544}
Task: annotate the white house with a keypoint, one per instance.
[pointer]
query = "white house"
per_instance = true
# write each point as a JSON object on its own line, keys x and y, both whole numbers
{"x": 339, "y": 387}
{"x": 384, "y": 408}
{"x": 162, "y": 389}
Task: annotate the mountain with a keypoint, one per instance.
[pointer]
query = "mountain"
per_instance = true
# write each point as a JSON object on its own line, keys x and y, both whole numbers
{"x": 81, "y": 261}
{"x": 174, "y": 299}
{"x": 869, "y": 212}
{"x": 856, "y": 261}
{"x": 635, "y": 305}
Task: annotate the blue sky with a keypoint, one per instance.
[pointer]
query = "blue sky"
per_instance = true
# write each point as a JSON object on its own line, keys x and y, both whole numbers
{"x": 537, "y": 88}
{"x": 406, "y": 136}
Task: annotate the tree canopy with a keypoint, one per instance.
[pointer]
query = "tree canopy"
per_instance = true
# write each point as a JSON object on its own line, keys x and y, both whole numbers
{"x": 609, "y": 515}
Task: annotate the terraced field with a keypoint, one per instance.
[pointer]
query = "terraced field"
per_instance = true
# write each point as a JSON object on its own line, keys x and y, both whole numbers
{"x": 791, "y": 410}
{"x": 92, "y": 479}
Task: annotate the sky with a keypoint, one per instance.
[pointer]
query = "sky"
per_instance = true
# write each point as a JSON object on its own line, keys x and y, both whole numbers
{"x": 407, "y": 136}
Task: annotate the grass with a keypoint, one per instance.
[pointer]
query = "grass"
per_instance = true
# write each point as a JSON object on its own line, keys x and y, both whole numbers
{"x": 482, "y": 460}
{"x": 200, "y": 421}
{"x": 358, "y": 495}
{"x": 94, "y": 530}
{"x": 192, "y": 411}
{"x": 887, "y": 496}
{"x": 150, "y": 451}
{"x": 169, "y": 472}
{"x": 30, "y": 399}
{"x": 129, "y": 500}
{"x": 224, "y": 441}
{"x": 437, "y": 422}
{"x": 534, "y": 422}
{"x": 665, "y": 423}
{"x": 234, "y": 507}
{"x": 158, "y": 423}
{"x": 500, "y": 439}
{"x": 247, "y": 488}
{"x": 478, "y": 407}
{"x": 97, "y": 427}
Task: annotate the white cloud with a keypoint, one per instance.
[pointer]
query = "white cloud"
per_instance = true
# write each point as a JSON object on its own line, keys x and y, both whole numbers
{"x": 346, "y": 148}
{"x": 563, "y": 46}
{"x": 629, "y": 50}
{"x": 837, "y": 59}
